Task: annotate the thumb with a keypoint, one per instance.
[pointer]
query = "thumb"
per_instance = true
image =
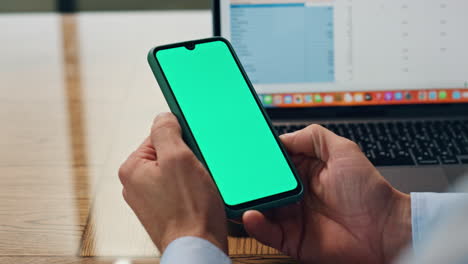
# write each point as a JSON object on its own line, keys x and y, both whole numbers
{"x": 313, "y": 141}
{"x": 166, "y": 135}
{"x": 262, "y": 229}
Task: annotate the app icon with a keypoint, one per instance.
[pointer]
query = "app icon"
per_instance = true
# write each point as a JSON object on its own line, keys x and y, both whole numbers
{"x": 348, "y": 98}
{"x": 432, "y": 95}
{"x": 456, "y": 95}
{"x": 359, "y": 97}
{"x": 378, "y": 96}
{"x": 422, "y": 96}
{"x": 308, "y": 98}
{"x": 318, "y": 98}
{"x": 398, "y": 96}
{"x": 442, "y": 95}
{"x": 298, "y": 98}
{"x": 388, "y": 96}
{"x": 287, "y": 99}
{"x": 328, "y": 99}
{"x": 267, "y": 99}
{"x": 465, "y": 95}
{"x": 408, "y": 96}
{"x": 338, "y": 97}
{"x": 278, "y": 99}
{"x": 368, "y": 97}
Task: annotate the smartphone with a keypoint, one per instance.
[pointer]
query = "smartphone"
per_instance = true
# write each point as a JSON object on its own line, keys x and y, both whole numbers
{"x": 225, "y": 124}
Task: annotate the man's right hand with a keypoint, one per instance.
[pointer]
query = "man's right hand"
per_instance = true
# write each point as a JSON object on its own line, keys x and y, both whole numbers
{"x": 349, "y": 214}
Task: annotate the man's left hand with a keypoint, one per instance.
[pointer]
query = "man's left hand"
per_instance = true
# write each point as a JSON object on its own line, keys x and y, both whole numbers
{"x": 170, "y": 191}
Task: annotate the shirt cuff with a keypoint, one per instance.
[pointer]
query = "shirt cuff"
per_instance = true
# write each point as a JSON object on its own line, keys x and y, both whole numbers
{"x": 427, "y": 209}
{"x": 193, "y": 250}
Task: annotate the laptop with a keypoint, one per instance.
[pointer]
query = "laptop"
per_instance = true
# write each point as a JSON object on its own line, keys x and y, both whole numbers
{"x": 390, "y": 75}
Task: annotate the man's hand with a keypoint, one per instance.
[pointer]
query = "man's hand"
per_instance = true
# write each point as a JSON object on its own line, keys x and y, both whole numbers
{"x": 349, "y": 214}
{"x": 169, "y": 189}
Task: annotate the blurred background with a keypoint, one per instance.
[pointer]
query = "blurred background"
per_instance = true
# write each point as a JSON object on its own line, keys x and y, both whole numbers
{"x": 98, "y": 5}
{"x": 77, "y": 95}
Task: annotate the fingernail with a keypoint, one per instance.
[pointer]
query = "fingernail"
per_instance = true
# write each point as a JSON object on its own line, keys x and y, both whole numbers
{"x": 288, "y": 134}
{"x": 158, "y": 116}
{"x": 162, "y": 114}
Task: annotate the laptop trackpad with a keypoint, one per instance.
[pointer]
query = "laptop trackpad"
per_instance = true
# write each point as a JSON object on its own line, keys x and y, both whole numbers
{"x": 421, "y": 179}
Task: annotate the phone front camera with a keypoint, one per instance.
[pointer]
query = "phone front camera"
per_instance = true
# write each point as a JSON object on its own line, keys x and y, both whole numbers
{"x": 190, "y": 46}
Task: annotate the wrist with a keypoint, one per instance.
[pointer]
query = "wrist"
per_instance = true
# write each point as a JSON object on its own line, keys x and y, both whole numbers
{"x": 218, "y": 240}
{"x": 397, "y": 232}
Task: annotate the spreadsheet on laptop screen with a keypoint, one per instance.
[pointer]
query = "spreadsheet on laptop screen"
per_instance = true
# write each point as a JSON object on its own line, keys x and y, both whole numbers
{"x": 329, "y": 46}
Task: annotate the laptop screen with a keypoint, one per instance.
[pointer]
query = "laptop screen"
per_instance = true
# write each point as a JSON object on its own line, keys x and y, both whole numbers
{"x": 351, "y": 52}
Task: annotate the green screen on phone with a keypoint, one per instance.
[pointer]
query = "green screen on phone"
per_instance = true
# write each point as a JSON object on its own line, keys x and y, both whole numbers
{"x": 233, "y": 136}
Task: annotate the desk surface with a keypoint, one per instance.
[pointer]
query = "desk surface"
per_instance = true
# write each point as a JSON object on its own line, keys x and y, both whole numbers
{"x": 76, "y": 97}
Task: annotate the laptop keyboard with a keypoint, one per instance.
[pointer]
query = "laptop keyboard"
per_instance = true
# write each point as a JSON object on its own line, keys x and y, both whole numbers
{"x": 399, "y": 143}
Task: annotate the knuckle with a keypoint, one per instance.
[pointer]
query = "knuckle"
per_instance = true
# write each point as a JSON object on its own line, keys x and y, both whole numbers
{"x": 177, "y": 157}
{"x": 314, "y": 128}
{"x": 124, "y": 173}
{"x": 186, "y": 155}
{"x": 127, "y": 169}
{"x": 350, "y": 145}
{"x": 124, "y": 195}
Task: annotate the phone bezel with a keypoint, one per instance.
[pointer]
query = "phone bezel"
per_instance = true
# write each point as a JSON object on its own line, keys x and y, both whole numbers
{"x": 250, "y": 204}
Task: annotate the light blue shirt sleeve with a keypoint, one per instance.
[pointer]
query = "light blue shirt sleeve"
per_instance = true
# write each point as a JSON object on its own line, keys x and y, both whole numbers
{"x": 440, "y": 229}
{"x": 193, "y": 250}
{"x": 427, "y": 210}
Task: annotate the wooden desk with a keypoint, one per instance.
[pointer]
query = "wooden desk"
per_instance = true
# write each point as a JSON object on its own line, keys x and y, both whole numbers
{"x": 76, "y": 97}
